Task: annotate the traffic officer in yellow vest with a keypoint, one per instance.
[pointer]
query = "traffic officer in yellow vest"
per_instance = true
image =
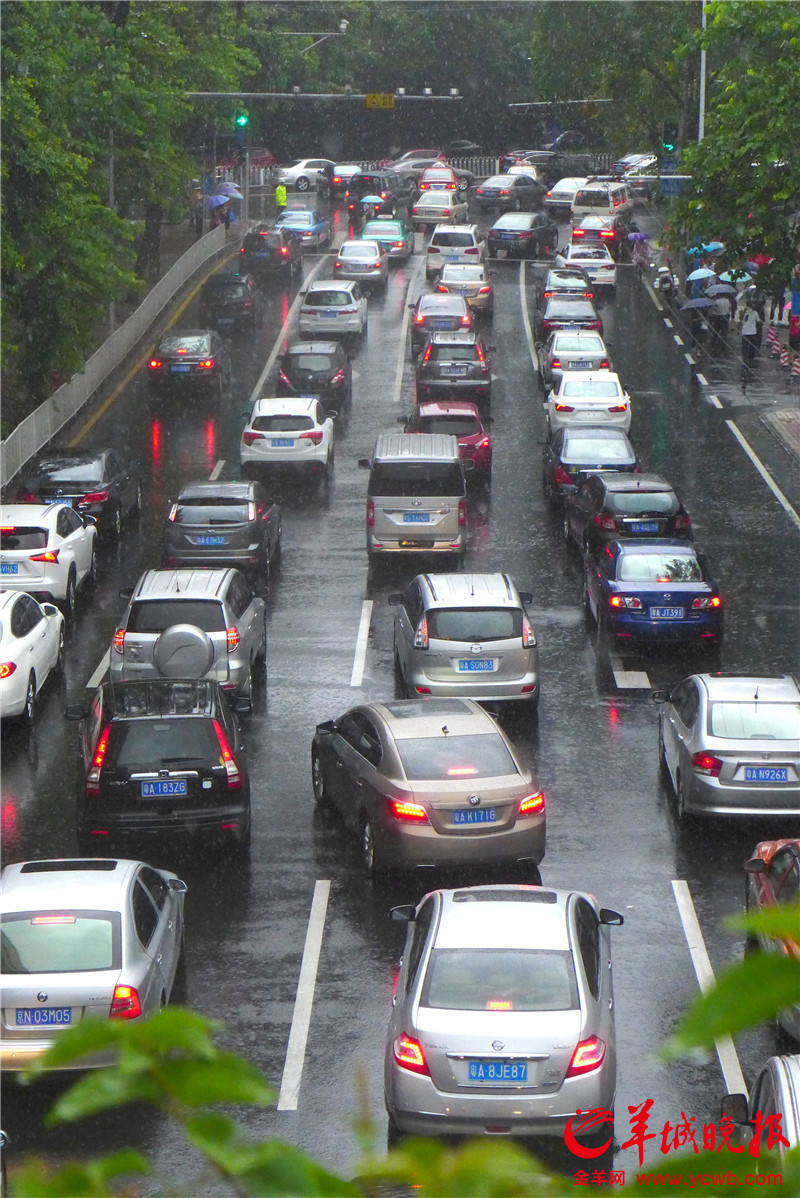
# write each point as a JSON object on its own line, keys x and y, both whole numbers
{"x": 280, "y": 198}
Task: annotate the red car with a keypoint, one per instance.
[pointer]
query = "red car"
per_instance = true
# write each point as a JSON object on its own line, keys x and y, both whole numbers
{"x": 462, "y": 420}
{"x": 773, "y": 878}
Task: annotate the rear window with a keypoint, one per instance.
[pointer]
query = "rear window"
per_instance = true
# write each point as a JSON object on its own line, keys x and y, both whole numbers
{"x": 219, "y": 291}
{"x": 659, "y": 567}
{"x": 453, "y": 239}
{"x": 154, "y": 615}
{"x": 66, "y": 471}
{"x": 453, "y": 353}
{"x": 570, "y": 309}
{"x": 463, "y": 274}
{"x": 584, "y": 345}
{"x": 591, "y": 389}
{"x": 433, "y": 479}
{"x": 755, "y": 721}
{"x": 366, "y": 183}
{"x": 313, "y": 363}
{"x": 475, "y": 624}
{"x": 146, "y": 744}
{"x": 594, "y": 197}
{"x": 363, "y": 249}
{"x": 188, "y": 345}
{"x": 211, "y": 511}
{"x": 582, "y": 449}
{"x": 598, "y": 252}
{"x": 643, "y": 503}
{"x": 500, "y": 979}
{"x": 63, "y": 941}
{"x": 328, "y": 299}
{"x": 450, "y": 758}
{"x": 514, "y": 221}
{"x": 457, "y": 426}
{"x": 257, "y": 241}
{"x": 285, "y": 423}
{"x": 23, "y": 538}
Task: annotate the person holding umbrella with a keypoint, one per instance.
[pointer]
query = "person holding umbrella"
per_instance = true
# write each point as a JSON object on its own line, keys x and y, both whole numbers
{"x": 750, "y": 337}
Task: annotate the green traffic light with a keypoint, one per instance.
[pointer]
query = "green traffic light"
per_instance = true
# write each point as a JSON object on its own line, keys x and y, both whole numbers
{"x": 668, "y": 145}
{"x": 242, "y": 119}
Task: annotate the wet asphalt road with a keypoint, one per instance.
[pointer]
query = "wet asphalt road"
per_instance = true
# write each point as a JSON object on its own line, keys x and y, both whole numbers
{"x": 611, "y": 828}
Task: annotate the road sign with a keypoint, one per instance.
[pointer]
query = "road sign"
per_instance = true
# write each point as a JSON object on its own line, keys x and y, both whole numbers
{"x": 380, "y": 100}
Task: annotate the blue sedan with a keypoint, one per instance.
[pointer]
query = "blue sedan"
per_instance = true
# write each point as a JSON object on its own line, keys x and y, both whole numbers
{"x": 312, "y": 228}
{"x": 658, "y": 591}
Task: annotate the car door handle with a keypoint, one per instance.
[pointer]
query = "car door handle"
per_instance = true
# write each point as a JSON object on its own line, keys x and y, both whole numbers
{"x": 158, "y": 958}
{"x": 359, "y": 783}
{"x": 169, "y": 924}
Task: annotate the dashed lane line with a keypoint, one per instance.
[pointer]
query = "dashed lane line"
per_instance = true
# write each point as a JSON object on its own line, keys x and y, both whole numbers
{"x": 304, "y": 1001}
{"x": 668, "y": 323}
{"x": 715, "y": 399}
{"x": 701, "y": 378}
{"x": 767, "y": 477}
{"x": 215, "y": 473}
{"x": 99, "y": 674}
{"x": 677, "y": 339}
{"x": 401, "y": 354}
{"x": 360, "y": 658}
{"x": 689, "y": 359}
{"x": 526, "y": 318}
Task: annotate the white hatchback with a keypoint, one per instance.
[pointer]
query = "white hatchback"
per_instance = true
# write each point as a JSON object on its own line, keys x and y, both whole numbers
{"x": 47, "y": 550}
{"x": 449, "y": 244}
{"x": 439, "y": 207}
{"x": 31, "y": 646}
{"x": 592, "y": 397}
{"x": 332, "y": 309}
{"x": 596, "y": 260}
{"x": 291, "y": 431}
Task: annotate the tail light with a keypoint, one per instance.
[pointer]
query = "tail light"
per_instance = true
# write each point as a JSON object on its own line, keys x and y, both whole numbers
{"x": 7, "y": 669}
{"x": 525, "y": 236}
{"x": 96, "y": 768}
{"x": 249, "y": 437}
{"x": 560, "y": 475}
{"x": 408, "y": 1054}
{"x": 337, "y": 265}
{"x": 50, "y": 555}
{"x": 284, "y": 378}
{"x": 233, "y": 638}
{"x": 419, "y": 319}
{"x": 619, "y": 407}
{"x": 547, "y": 195}
{"x": 208, "y": 364}
{"x": 339, "y": 377}
{"x": 632, "y": 602}
{"x": 462, "y": 512}
{"x": 376, "y": 266}
{"x": 604, "y": 364}
{"x": 397, "y": 245}
{"x": 593, "y": 324}
{"x": 314, "y": 435}
{"x": 706, "y": 602}
{"x": 370, "y": 513}
{"x": 682, "y": 522}
{"x": 432, "y": 249}
{"x": 407, "y": 812}
{"x": 241, "y": 251}
{"x": 563, "y": 407}
{"x": 25, "y": 497}
{"x": 607, "y": 522}
{"x": 156, "y": 363}
{"x": 119, "y": 640}
{"x": 483, "y": 444}
{"x": 473, "y": 249}
{"x": 485, "y": 291}
{"x": 528, "y": 635}
{"x": 228, "y": 759}
{"x": 441, "y": 287}
{"x": 248, "y": 303}
{"x": 466, "y": 320}
{"x": 531, "y": 804}
{"x": 94, "y": 497}
{"x": 704, "y": 763}
{"x": 427, "y": 354}
{"x": 173, "y": 511}
{"x": 421, "y": 635}
{"x": 607, "y": 233}
{"x": 125, "y": 1003}
{"x": 588, "y": 1055}
{"x": 480, "y": 353}
{"x": 578, "y": 233}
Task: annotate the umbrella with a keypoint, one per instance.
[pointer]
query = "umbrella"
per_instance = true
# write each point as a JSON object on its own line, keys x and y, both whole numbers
{"x": 638, "y": 237}
{"x": 230, "y": 190}
{"x": 217, "y": 201}
{"x": 735, "y": 276}
{"x": 694, "y": 249}
{"x": 721, "y": 289}
{"x": 702, "y": 273}
{"x": 713, "y": 247}
{"x": 697, "y": 303}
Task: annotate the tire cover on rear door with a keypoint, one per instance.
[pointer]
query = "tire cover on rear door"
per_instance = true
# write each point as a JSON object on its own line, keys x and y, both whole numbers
{"x": 183, "y": 651}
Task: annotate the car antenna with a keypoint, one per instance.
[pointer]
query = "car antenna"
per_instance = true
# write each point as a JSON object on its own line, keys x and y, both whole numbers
{"x": 755, "y": 696}
{"x": 472, "y": 585}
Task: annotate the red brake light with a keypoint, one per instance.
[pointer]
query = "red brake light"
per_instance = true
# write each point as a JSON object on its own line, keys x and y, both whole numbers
{"x": 593, "y": 324}
{"x": 208, "y": 364}
{"x": 682, "y": 522}
{"x": 408, "y": 1053}
{"x": 249, "y": 437}
{"x": 93, "y": 776}
{"x": 50, "y": 555}
{"x": 604, "y": 364}
{"x": 555, "y": 364}
{"x": 119, "y": 635}
{"x": 704, "y": 763}
{"x": 485, "y": 291}
{"x": 620, "y": 407}
{"x": 314, "y": 435}
{"x": 284, "y": 250}
{"x": 607, "y": 233}
{"x": 93, "y": 497}
{"x": 283, "y": 377}
{"x": 563, "y": 407}
{"x": 588, "y": 1055}
{"x": 156, "y": 363}
{"x": 23, "y": 497}
{"x": 409, "y": 812}
{"x": 531, "y": 804}
{"x": 578, "y": 233}
{"x": 560, "y": 475}
{"x": 229, "y": 761}
{"x": 466, "y": 319}
{"x": 433, "y": 249}
{"x": 370, "y": 513}
{"x": 427, "y": 354}
{"x": 125, "y": 1003}
{"x": 339, "y": 377}
{"x": 439, "y": 287}
{"x": 462, "y": 512}
{"x": 607, "y": 522}
{"x": 473, "y": 249}
{"x": 233, "y": 638}
{"x": 7, "y": 669}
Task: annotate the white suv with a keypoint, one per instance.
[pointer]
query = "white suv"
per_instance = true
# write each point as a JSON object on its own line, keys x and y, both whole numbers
{"x": 462, "y": 244}
{"x": 47, "y": 550}
{"x": 332, "y": 309}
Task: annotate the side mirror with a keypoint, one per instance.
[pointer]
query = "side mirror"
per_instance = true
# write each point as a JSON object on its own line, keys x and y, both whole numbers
{"x": 735, "y": 1107}
{"x": 177, "y": 886}
{"x": 74, "y": 712}
{"x": 411, "y": 307}
{"x": 89, "y": 520}
{"x": 661, "y": 696}
{"x": 468, "y": 465}
{"x": 365, "y": 463}
{"x": 50, "y": 609}
{"x": 395, "y": 599}
{"x": 611, "y": 919}
{"x": 405, "y": 914}
{"x": 326, "y": 727}
{"x": 126, "y": 593}
{"x": 526, "y": 596}
{"x": 756, "y": 865}
{"x": 245, "y": 413}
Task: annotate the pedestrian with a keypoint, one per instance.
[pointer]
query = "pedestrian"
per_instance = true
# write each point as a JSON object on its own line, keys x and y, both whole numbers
{"x": 226, "y": 216}
{"x": 794, "y": 315}
{"x": 719, "y": 316}
{"x": 280, "y": 198}
{"x": 749, "y": 334}
{"x": 776, "y": 303}
{"x": 197, "y": 213}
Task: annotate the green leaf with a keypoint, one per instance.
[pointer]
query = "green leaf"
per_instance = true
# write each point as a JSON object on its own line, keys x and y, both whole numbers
{"x": 781, "y": 923}
{"x": 33, "y": 1179}
{"x": 227, "y": 1078}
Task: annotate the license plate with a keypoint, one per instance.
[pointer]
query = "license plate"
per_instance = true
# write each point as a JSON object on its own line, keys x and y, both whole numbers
{"x": 263, "y": 257}
{"x": 475, "y": 815}
{"x": 211, "y": 541}
{"x": 226, "y": 319}
{"x": 416, "y": 518}
{"x": 579, "y": 365}
{"x": 508, "y": 236}
{"x": 497, "y": 1072}
{"x": 282, "y": 442}
{"x": 454, "y": 370}
{"x": 666, "y": 613}
{"x": 643, "y": 526}
{"x": 9, "y": 568}
{"x": 43, "y": 1016}
{"x": 59, "y": 499}
{"x": 476, "y": 663}
{"x": 765, "y": 773}
{"x": 438, "y": 324}
{"x": 180, "y": 369}
{"x": 170, "y": 786}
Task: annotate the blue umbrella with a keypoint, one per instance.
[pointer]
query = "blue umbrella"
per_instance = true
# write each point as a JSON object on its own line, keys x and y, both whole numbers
{"x": 217, "y": 201}
{"x": 694, "y": 249}
{"x": 713, "y": 247}
{"x": 697, "y": 303}
{"x": 735, "y": 276}
{"x": 230, "y": 190}
{"x": 638, "y": 237}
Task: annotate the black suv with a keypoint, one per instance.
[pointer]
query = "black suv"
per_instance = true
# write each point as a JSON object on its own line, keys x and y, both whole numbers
{"x": 612, "y": 505}
{"x": 223, "y": 524}
{"x": 455, "y": 366}
{"x": 384, "y": 185}
{"x": 318, "y": 368}
{"x": 158, "y": 758}
{"x": 269, "y": 249}
{"x": 96, "y": 482}
{"x": 232, "y": 301}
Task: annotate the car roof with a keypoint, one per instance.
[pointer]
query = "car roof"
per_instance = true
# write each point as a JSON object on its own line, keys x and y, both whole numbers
{"x": 521, "y": 917}
{"x": 54, "y": 457}
{"x": 202, "y": 489}
{"x": 673, "y": 544}
{"x": 413, "y": 719}
{"x": 82, "y": 883}
{"x": 470, "y": 590}
{"x": 226, "y": 277}
{"x": 772, "y": 688}
{"x": 160, "y": 697}
{"x": 289, "y": 405}
{"x": 399, "y": 446}
{"x": 157, "y": 584}
{"x": 636, "y": 482}
{"x": 28, "y": 515}
{"x": 313, "y": 347}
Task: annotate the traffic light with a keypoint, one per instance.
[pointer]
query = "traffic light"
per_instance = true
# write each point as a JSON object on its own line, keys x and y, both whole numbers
{"x": 670, "y": 138}
{"x": 241, "y": 119}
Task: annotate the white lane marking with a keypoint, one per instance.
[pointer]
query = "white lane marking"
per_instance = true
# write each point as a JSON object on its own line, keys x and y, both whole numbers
{"x": 361, "y": 643}
{"x": 99, "y": 673}
{"x": 668, "y": 323}
{"x": 293, "y": 309}
{"x": 525, "y": 317}
{"x": 689, "y": 359}
{"x": 301, "y": 1019}
{"x": 702, "y": 380}
{"x": 628, "y": 680}
{"x": 767, "y": 477}
{"x": 215, "y": 473}
{"x": 726, "y": 1052}
{"x": 678, "y": 340}
{"x": 648, "y": 288}
{"x": 715, "y": 399}
{"x": 401, "y": 351}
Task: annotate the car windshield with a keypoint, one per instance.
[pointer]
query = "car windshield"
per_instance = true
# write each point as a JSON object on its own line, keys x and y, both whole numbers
{"x": 474, "y": 624}
{"x": 185, "y": 345}
{"x": 286, "y": 422}
{"x": 638, "y": 503}
{"x": 755, "y": 720}
{"x": 62, "y": 941}
{"x": 311, "y": 363}
{"x": 412, "y": 479}
{"x": 591, "y": 388}
{"x": 452, "y": 239}
{"x": 23, "y": 538}
{"x": 66, "y": 471}
{"x": 154, "y": 615}
{"x": 206, "y": 510}
{"x": 500, "y": 979}
{"x": 450, "y": 758}
{"x": 659, "y": 567}
{"x": 154, "y": 744}
{"x": 457, "y": 426}
{"x": 328, "y": 299}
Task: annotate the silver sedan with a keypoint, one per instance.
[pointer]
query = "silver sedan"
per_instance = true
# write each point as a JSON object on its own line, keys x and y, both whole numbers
{"x": 364, "y": 262}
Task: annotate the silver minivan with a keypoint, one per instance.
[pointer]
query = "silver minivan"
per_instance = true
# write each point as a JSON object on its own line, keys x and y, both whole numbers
{"x": 466, "y": 635}
{"x": 417, "y": 495}
{"x": 601, "y": 197}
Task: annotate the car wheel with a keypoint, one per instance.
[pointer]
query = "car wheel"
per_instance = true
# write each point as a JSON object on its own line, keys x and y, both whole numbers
{"x": 302, "y": 183}
{"x": 178, "y": 993}
{"x": 69, "y": 601}
{"x": 276, "y": 554}
{"x": 321, "y": 796}
{"x": 463, "y": 183}
{"x": 369, "y": 855}
{"x": 662, "y": 755}
{"x": 29, "y": 710}
{"x": 587, "y": 607}
{"x": 685, "y": 818}
{"x": 62, "y": 651}
{"x": 115, "y": 525}
{"x": 90, "y": 580}
{"x": 261, "y": 656}
{"x": 136, "y": 510}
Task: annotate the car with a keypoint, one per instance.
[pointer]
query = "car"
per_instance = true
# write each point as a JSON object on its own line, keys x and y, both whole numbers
{"x": 271, "y": 249}
{"x": 509, "y": 193}
{"x": 642, "y": 180}
{"x": 773, "y": 879}
{"x": 304, "y": 173}
{"x": 385, "y": 186}
{"x": 474, "y": 283}
{"x": 455, "y": 364}
{"x": 775, "y": 1095}
{"x": 601, "y": 196}
{"x": 466, "y": 635}
{"x": 503, "y": 1021}
{"x": 463, "y": 420}
{"x": 428, "y": 782}
{"x": 568, "y": 352}
{"x": 573, "y": 454}
{"x": 439, "y": 208}
{"x": 193, "y": 360}
{"x": 162, "y": 760}
{"x": 395, "y": 237}
{"x": 341, "y": 176}
{"x": 730, "y": 744}
{"x": 570, "y": 139}
{"x": 610, "y": 231}
{"x": 192, "y": 623}
{"x": 365, "y": 262}
{"x": 409, "y": 171}
{"x": 563, "y": 281}
{"x": 331, "y": 308}
{"x": 82, "y": 940}
{"x": 611, "y": 505}
{"x": 562, "y": 194}
{"x": 101, "y": 483}
{"x": 232, "y": 301}
{"x": 595, "y": 260}
{"x": 592, "y": 397}
{"x": 438, "y": 178}
{"x": 657, "y": 591}
{"x": 47, "y": 551}
{"x": 412, "y": 156}
{"x": 434, "y": 312}
{"x": 31, "y": 648}
{"x": 451, "y": 244}
{"x": 317, "y": 368}
{"x": 628, "y": 161}
{"x": 522, "y": 235}
{"x": 567, "y": 312}
{"x": 223, "y": 524}
{"x": 290, "y": 431}
{"x": 312, "y": 228}
{"x": 463, "y": 148}
{"x": 511, "y": 158}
